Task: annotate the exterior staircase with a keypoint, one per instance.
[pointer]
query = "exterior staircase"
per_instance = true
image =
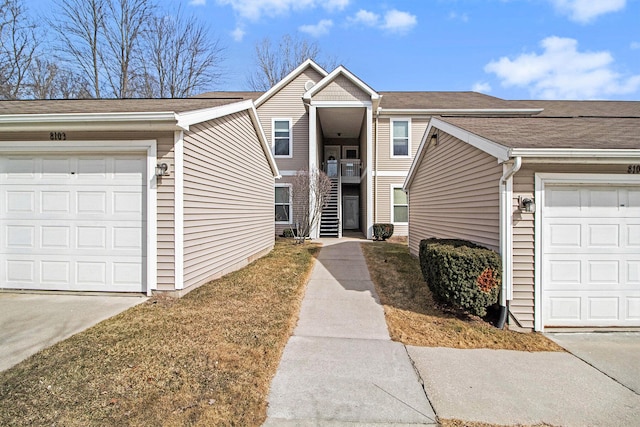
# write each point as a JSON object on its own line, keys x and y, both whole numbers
{"x": 330, "y": 220}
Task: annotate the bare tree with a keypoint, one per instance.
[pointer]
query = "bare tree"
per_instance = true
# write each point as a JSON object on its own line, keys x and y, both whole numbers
{"x": 181, "y": 57}
{"x": 124, "y": 25}
{"x": 17, "y": 48}
{"x": 47, "y": 80}
{"x": 310, "y": 192}
{"x": 274, "y": 62}
{"x": 79, "y": 24}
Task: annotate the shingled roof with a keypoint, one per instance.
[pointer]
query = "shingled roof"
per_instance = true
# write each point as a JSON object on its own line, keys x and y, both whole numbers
{"x": 113, "y": 105}
{"x": 547, "y": 132}
{"x": 442, "y": 101}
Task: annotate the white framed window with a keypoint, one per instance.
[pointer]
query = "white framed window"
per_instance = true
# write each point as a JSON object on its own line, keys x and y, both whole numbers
{"x": 401, "y": 138}
{"x": 283, "y": 204}
{"x": 399, "y": 205}
{"x": 282, "y": 137}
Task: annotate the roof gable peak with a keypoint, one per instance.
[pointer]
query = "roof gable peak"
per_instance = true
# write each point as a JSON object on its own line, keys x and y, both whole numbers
{"x": 309, "y": 63}
{"x": 341, "y": 71}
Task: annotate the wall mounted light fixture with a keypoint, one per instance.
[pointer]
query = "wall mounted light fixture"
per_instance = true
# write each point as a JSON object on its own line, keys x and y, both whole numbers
{"x": 434, "y": 138}
{"x": 526, "y": 204}
{"x": 162, "y": 169}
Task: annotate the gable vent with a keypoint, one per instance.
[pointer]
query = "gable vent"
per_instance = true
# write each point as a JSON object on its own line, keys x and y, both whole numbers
{"x": 308, "y": 85}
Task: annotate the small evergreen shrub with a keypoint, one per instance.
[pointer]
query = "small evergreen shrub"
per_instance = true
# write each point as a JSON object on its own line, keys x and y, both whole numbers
{"x": 382, "y": 231}
{"x": 288, "y": 232}
{"x": 461, "y": 273}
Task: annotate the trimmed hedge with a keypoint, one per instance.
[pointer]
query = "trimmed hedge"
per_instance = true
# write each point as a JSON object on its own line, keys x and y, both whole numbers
{"x": 382, "y": 231}
{"x": 461, "y": 273}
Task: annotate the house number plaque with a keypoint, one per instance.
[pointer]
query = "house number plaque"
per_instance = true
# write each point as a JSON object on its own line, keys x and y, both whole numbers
{"x": 57, "y": 136}
{"x": 633, "y": 169}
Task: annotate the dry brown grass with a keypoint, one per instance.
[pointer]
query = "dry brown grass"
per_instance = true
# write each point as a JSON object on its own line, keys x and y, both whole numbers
{"x": 414, "y": 318}
{"x": 205, "y": 359}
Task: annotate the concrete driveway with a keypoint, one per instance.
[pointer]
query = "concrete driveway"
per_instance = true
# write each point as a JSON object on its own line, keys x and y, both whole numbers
{"x": 616, "y": 354}
{"x": 31, "y": 322}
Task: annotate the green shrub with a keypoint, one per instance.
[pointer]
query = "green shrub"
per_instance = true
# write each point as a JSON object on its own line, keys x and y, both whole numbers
{"x": 461, "y": 273}
{"x": 382, "y": 231}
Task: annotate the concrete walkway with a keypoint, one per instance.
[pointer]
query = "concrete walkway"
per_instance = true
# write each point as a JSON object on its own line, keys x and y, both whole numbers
{"x": 340, "y": 367}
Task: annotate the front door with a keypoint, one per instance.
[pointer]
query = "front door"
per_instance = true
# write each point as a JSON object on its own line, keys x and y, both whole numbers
{"x": 351, "y": 212}
{"x": 331, "y": 159}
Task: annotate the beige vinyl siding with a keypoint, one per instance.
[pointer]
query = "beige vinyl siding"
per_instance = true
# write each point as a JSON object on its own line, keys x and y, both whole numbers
{"x": 455, "y": 194}
{"x": 341, "y": 89}
{"x": 165, "y": 195}
{"x": 385, "y": 161}
{"x": 522, "y": 305}
{"x": 383, "y": 201}
{"x": 228, "y": 198}
{"x": 287, "y": 104}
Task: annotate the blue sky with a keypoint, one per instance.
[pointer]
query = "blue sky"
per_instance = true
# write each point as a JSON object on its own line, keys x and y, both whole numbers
{"x": 513, "y": 49}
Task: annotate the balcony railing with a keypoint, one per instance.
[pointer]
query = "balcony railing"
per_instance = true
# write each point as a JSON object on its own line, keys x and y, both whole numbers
{"x": 350, "y": 169}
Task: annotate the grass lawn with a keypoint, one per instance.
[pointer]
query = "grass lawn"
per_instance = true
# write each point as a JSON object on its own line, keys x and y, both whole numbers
{"x": 414, "y": 318}
{"x": 205, "y": 359}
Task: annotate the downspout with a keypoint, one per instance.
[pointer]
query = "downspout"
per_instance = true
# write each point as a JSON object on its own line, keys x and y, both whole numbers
{"x": 505, "y": 238}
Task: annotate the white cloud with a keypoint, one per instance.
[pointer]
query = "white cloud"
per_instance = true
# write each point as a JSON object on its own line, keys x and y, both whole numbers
{"x": 481, "y": 87}
{"x": 238, "y": 34}
{"x": 197, "y": 2}
{"x": 399, "y": 22}
{"x": 255, "y": 9}
{"x": 320, "y": 29}
{"x": 585, "y": 11}
{"x": 394, "y": 21}
{"x": 562, "y": 72}
{"x": 635, "y": 45}
{"x": 365, "y": 17}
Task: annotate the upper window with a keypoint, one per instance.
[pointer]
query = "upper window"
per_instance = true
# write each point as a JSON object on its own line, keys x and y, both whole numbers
{"x": 400, "y": 141}
{"x": 283, "y": 204}
{"x": 282, "y": 141}
{"x": 400, "y": 206}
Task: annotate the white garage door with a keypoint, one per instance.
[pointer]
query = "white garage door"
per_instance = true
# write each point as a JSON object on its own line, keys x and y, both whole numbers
{"x": 72, "y": 222}
{"x": 591, "y": 256}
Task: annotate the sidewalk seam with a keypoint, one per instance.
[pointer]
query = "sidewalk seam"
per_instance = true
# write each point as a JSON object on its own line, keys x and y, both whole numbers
{"x": 421, "y": 381}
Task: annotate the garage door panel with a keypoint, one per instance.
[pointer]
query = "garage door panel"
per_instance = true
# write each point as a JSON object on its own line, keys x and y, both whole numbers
{"x": 591, "y": 256}
{"x": 73, "y": 222}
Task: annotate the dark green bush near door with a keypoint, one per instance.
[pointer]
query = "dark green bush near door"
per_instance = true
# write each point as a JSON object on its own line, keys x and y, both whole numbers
{"x": 461, "y": 273}
{"x": 382, "y": 231}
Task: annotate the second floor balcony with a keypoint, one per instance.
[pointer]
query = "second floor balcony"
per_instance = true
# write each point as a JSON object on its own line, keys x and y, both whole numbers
{"x": 350, "y": 170}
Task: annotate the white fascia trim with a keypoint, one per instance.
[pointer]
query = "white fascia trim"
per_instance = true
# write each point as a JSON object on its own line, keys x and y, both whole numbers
{"x": 338, "y": 104}
{"x": 335, "y": 73}
{"x": 156, "y": 120}
{"x": 178, "y": 213}
{"x": 575, "y": 153}
{"x": 288, "y": 173}
{"x": 198, "y": 116}
{"x": 494, "y": 149}
{"x": 263, "y": 141}
{"x": 389, "y": 174}
{"x": 460, "y": 111}
{"x": 292, "y": 75}
{"x": 147, "y": 146}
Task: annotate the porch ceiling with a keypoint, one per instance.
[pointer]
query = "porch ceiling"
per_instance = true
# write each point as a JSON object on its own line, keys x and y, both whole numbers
{"x": 341, "y": 122}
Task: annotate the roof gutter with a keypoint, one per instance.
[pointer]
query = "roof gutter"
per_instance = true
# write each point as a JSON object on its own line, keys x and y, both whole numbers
{"x": 89, "y": 121}
{"x": 462, "y": 111}
{"x": 506, "y": 240}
